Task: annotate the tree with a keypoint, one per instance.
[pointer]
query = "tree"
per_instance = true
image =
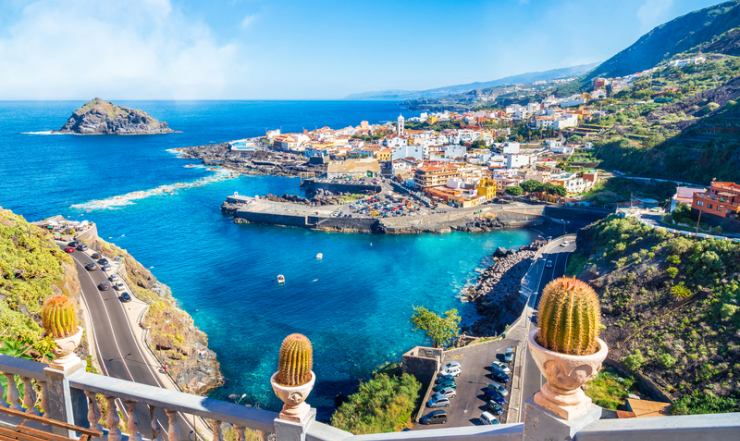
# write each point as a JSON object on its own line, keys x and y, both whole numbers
{"x": 440, "y": 329}
{"x": 531, "y": 186}
{"x": 515, "y": 190}
{"x": 555, "y": 189}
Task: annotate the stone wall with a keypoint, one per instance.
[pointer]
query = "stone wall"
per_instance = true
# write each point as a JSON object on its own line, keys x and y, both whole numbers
{"x": 311, "y": 185}
{"x": 348, "y": 225}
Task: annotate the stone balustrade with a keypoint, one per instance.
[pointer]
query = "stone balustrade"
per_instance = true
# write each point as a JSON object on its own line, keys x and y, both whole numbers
{"x": 72, "y": 397}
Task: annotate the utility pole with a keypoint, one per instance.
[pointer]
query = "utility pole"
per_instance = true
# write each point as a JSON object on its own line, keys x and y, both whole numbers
{"x": 697, "y": 225}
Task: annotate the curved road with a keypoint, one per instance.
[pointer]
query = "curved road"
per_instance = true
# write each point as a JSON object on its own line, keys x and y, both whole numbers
{"x": 118, "y": 352}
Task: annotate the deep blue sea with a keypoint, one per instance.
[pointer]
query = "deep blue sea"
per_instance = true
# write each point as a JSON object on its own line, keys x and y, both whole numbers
{"x": 354, "y": 305}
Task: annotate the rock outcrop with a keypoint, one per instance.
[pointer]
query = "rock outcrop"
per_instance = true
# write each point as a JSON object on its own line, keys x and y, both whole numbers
{"x": 98, "y": 117}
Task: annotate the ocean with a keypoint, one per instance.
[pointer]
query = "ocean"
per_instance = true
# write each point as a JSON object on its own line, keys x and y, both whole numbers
{"x": 354, "y": 305}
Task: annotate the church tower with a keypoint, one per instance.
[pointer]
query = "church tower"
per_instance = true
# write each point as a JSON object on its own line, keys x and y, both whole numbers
{"x": 400, "y": 125}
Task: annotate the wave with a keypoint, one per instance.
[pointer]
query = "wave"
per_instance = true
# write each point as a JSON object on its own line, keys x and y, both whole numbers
{"x": 45, "y": 132}
{"x": 168, "y": 189}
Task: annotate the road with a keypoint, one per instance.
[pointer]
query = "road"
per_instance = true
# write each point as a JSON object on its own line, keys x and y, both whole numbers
{"x": 118, "y": 352}
{"x": 531, "y": 376}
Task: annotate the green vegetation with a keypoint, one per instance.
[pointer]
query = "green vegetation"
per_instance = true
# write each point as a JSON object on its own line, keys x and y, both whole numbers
{"x": 705, "y": 402}
{"x": 569, "y": 317}
{"x": 295, "y": 362}
{"x": 678, "y": 327}
{"x": 440, "y": 329}
{"x": 608, "y": 389}
{"x": 613, "y": 190}
{"x": 32, "y": 268}
{"x": 514, "y": 190}
{"x": 382, "y": 404}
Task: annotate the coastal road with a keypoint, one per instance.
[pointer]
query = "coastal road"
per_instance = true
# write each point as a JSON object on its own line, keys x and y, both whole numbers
{"x": 531, "y": 376}
{"x": 118, "y": 352}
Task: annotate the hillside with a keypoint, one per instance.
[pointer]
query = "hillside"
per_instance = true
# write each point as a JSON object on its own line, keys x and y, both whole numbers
{"x": 692, "y": 32}
{"x": 98, "y": 117}
{"x": 528, "y": 77}
{"x": 32, "y": 268}
{"x": 670, "y": 308}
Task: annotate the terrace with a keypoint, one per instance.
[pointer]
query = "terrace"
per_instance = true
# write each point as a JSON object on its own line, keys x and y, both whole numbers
{"x": 69, "y": 397}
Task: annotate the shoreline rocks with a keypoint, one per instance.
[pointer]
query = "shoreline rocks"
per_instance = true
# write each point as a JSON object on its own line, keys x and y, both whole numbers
{"x": 496, "y": 294}
{"x": 256, "y": 162}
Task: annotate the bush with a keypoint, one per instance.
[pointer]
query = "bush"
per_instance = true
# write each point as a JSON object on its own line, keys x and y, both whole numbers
{"x": 672, "y": 272}
{"x": 727, "y": 311}
{"x": 383, "y": 404}
{"x": 634, "y": 361}
{"x": 667, "y": 361}
{"x": 675, "y": 260}
{"x": 704, "y": 402}
{"x": 680, "y": 291}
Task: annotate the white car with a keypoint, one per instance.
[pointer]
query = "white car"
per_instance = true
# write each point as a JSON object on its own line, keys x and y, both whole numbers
{"x": 454, "y": 371}
{"x": 113, "y": 277}
{"x": 118, "y": 286}
{"x": 502, "y": 366}
{"x": 565, "y": 243}
{"x": 498, "y": 384}
{"x": 451, "y": 364}
{"x": 487, "y": 419}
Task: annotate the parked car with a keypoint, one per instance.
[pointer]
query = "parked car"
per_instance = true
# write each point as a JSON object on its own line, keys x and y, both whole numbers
{"x": 494, "y": 408}
{"x": 103, "y": 261}
{"x": 496, "y": 383}
{"x": 487, "y": 419}
{"x": 500, "y": 389}
{"x": 500, "y": 377}
{"x": 444, "y": 378}
{"x": 105, "y": 267}
{"x": 91, "y": 266}
{"x": 70, "y": 249}
{"x": 451, "y": 364}
{"x": 501, "y": 367}
{"x": 438, "y": 400}
{"x": 493, "y": 396}
{"x": 440, "y": 386}
{"x": 509, "y": 355}
{"x": 95, "y": 256}
{"x": 105, "y": 286}
{"x": 434, "y": 417}
{"x": 125, "y": 297}
{"x": 113, "y": 277}
{"x": 82, "y": 247}
{"x": 118, "y": 286}
{"x": 449, "y": 392}
{"x": 548, "y": 264}
{"x": 453, "y": 371}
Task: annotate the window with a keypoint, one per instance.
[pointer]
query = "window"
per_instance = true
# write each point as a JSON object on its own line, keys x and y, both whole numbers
{"x": 709, "y": 206}
{"x": 700, "y": 203}
{"x": 719, "y": 208}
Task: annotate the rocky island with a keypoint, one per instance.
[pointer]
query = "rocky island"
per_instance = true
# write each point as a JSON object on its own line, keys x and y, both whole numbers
{"x": 99, "y": 117}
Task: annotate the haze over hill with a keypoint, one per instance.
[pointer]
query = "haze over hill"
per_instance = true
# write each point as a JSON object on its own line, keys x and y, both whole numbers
{"x": 528, "y": 77}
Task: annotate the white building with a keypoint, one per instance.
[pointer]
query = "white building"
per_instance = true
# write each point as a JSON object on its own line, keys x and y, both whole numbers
{"x": 408, "y": 151}
{"x": 454, "y": 151}
{"x": 400, "y": 128}
{"x": 598, "y": 94}
{"x": 510, "y": 148}
{"x": 517, "y": 161}
{"x": 395, "y": 141}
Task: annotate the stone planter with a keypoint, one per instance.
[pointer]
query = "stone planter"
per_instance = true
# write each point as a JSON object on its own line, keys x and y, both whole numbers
{"x": 295, "y": 407}
{"x": 565, "y": 374}
{"x": 65, "y": 351}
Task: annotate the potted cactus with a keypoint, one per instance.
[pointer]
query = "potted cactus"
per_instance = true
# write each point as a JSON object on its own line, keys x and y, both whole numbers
{"x": 566, "y": 347}
{"x": 294, "y": 379}
{"x": 59, "y": 319}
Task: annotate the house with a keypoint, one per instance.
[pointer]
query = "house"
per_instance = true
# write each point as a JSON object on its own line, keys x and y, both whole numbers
{"x": 408, "y": 151}
{"x": 722, "y": 199}
{"x": 368, "y": 167}
{"x": 383, "y": 155}
{"x": 434, "y": 175}
{"x": 684, "y": 195}
{"x": 598, "y": 94}
{"x": 487, "y": 187}
{"x": 570, "y": 181}
{"x": 517, "y": 161}
{"x": 510, "y": 148}
{"x": 591, "y": 177}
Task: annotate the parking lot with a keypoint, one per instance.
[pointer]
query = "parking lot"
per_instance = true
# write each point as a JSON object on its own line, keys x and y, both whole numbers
{"x": 475, "y": 361}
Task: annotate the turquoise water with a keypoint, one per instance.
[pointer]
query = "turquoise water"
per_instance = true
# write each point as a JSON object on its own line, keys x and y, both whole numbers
{"x": 354, "y": 304}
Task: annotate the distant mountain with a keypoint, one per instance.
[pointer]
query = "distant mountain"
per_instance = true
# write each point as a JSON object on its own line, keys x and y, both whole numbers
{"x": 694, "y": 32}
{"x": 529, "y": 77}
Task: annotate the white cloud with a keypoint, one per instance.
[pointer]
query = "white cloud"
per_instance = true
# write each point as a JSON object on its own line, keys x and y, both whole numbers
{"x": 653, "y": 12}
{"x": 137, "y": 49}
{"x": 248, "y": 20}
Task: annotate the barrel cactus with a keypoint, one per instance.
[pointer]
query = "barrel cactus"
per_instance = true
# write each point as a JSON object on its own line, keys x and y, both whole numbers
{"x": 296, "y": 361}
{"x": 59, "y": 317}
{"x": 569, "y": 317}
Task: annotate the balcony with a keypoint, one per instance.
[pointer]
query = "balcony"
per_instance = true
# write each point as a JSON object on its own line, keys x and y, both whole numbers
{"x": 71, "y": 397}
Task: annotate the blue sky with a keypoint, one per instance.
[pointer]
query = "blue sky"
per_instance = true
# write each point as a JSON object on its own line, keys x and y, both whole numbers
{"x": 280, "y": 49}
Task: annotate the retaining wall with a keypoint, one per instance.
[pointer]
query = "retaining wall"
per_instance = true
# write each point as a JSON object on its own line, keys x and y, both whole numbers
{"x": 577, "y": 213}
{"x": 311, "y": 185}
{"x": 727, "y": 225}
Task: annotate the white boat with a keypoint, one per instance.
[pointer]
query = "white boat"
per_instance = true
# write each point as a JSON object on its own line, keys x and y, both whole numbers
{"x": 319, "y": 256}
{"x": 281, "y": 279}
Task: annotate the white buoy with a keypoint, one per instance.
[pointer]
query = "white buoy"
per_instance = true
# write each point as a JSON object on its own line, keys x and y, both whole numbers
{"x": 319, "y": 256}
{"x": 281, "y": 279}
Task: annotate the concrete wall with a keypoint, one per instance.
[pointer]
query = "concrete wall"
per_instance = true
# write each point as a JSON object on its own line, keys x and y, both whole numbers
{"x": 577, "y": 213}
{"x": 348, "y": 225}
{"x": 275, "y": 219}
{"x": 310, "y": 184}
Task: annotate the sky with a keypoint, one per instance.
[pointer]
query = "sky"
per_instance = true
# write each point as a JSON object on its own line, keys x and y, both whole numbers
{"x": 282, "y": 49}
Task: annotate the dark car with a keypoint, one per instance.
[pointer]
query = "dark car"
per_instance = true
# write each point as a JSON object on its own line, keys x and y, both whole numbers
{"x": 103, "y": 261}
{"x": 82, "y": 247}
{"x": 494, "y": 408}
{"x": 548, "y": 264}
{"x": 125, "y": 297}
{"x": 73, "y": 244}
{"x": 105, "y": 286}
{"x": 434, "y": 417}
{"x": 446, "y": 384}
{"x": 96, "y": 256}
{"x": 494, "y": 396}
{"x": 444, "y": 379}
{"x": 91, "y": 266}
{"x": 70, "y": 249}
{"x": 499, "y": 376}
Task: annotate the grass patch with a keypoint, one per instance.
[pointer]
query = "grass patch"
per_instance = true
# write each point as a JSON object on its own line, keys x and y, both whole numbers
{"x": 576, "y": 263}
{"x": 608, "y": 389}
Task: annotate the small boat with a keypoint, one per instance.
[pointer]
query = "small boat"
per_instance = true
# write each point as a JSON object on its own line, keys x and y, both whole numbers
{"x": 319, "y": 256}
{"x": 281, "y": 279}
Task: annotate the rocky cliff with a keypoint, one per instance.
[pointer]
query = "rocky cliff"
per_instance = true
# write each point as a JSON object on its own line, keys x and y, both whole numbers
{"x": 98, "y": 117}
{"x": 183, "y": 347}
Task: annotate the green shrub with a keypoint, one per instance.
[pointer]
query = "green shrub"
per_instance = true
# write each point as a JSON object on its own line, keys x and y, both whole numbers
{"x": 667, "y": 361}
{"x": 727, "y": 311}
{"x": 672, "y": 272}
{"x": 634, "y": 361}
{"x": 383, "y": 404}
{"x": 675, "y": 260}
{"x": 680, "y": 291}
{"x": 703, "y": 403}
